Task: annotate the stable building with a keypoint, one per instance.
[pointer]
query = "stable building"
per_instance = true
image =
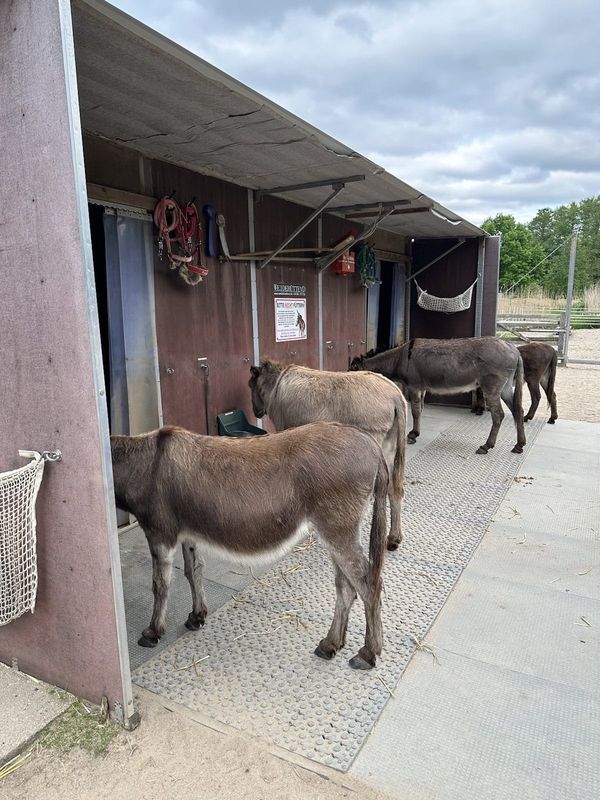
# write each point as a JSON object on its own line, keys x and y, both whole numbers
{"x": 101, "y": 118}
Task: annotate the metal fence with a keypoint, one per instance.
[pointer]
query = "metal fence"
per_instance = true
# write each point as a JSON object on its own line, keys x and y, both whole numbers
{"x": 549, "y": 326}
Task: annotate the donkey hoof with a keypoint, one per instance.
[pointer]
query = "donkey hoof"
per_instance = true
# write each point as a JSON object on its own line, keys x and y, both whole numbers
{"x": 411, "y": 439}
{"x": 393, "y": 544}
{"x": 483, "y": 449}
{"x": 364, "y": 659}
{"x": 194, "y": 621}
{"x": 518, "y": 448}
{"x": 325, "y": 650}
{"x": 148, "y": 641}
{"x": 479, "y": 412}
{"x": 551, "y": 421}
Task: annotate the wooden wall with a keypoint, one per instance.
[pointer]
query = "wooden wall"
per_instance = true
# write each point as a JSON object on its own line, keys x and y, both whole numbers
{"x": 214, "y": 320}
{"x": 448, "y": 277}
{"x": 344, "y": 306}
{"x": 51, "y": 390}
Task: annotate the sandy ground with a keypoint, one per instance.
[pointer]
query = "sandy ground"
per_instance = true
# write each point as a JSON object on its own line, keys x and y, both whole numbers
{"x": 578, "y": 386}
{"x": 172, "y": 755}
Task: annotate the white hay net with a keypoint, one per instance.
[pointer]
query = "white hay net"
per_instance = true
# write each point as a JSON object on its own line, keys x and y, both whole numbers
{"x": 18, "y": 564}
{"x": 446, "y": 305}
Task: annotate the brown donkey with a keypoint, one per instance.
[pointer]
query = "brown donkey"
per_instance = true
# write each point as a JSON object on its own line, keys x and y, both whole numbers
{"x": 293, "y": 395}
{"x": 539, "y": 367}
{"x": 253, "y": 499}
{"x": 452, "y": 366}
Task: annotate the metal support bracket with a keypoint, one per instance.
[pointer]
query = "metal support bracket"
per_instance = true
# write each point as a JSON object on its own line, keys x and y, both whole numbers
{"x": 375, "y": 208}
{"x": 337, "y": 188}
{"x": 325, "y": 261}
{"x": 437, "y": 258}
{"x": 312, "y": 185}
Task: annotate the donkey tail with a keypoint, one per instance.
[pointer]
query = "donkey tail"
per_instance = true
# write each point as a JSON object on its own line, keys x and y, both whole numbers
{"x": 378, "y": 537}
{"x": 517, "y": 407}
{"x": 397, "y": 476}
{"x": 518, "y": 395}
{"x": 552, "y": 374}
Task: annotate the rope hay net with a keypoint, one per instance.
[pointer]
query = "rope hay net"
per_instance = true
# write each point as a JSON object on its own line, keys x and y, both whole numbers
{"x": 18, "y": 563}
{"x": 445, "y": 305}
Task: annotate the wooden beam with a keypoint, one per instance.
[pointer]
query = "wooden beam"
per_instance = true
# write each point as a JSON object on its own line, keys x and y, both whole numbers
{"x": 118, "y": 197}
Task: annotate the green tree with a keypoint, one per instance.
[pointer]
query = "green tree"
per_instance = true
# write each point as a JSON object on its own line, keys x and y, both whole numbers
{"x": 520, "y": 251}
{"x": 553, "y": 227}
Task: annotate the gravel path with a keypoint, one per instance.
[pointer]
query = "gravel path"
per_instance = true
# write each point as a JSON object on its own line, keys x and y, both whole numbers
{"x": 578, "y": 385}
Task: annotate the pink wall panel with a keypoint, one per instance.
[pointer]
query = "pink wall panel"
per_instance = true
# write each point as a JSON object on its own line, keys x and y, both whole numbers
{"x": 50, "y": 395}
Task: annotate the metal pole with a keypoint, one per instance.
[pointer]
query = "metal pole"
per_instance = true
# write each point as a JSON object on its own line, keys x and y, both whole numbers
{"x": 338, "y": 187}
{"x": 253, "y": 288}
{"x": 479, "y": 287}
{"x": 437, "y": 258}
{"x": 320, "y": 292}
{"x": 570, "y": 291}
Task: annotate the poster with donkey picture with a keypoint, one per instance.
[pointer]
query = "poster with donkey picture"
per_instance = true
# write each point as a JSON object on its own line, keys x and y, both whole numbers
{"x": 290, "y": 318}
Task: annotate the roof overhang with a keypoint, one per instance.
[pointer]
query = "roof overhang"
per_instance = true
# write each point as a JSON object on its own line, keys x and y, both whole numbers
{"x": 141, "y": 90}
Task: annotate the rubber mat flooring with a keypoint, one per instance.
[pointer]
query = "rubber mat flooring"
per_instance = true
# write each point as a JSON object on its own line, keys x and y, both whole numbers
{"x": 252, "y": 666}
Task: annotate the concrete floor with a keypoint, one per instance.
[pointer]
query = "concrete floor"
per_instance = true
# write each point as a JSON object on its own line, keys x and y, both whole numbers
{"x": 510, "y": 707}
{"x": 27, "y": 707}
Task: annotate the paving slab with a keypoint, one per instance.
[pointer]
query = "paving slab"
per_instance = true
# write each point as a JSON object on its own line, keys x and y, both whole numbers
{"x": 510, "y": 708}
{"x": 27, "y": 706}
{"x": 542, "y": 559}
{"x": 516, "y": 626}
{"x": 460, "y": 729}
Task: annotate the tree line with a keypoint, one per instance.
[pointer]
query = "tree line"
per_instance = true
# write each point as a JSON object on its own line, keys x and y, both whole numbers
{"x": 526, "y": 253}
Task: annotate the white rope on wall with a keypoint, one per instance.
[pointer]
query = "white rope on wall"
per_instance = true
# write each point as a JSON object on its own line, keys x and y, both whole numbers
{"x": 446, "y": 305}
{"x": 18, "y": 562}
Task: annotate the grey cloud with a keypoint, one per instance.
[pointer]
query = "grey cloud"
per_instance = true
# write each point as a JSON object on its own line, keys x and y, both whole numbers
{"x": 475, "y": 103}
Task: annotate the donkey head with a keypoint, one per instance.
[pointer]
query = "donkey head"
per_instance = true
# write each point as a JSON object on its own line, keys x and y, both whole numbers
{"x": 262, "y": 382}
{"x": 358, "y": 362}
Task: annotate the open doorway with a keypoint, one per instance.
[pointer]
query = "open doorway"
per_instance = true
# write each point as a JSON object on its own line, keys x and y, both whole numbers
{"x": 122, "y": 251}
{"x": 385, "y": 307}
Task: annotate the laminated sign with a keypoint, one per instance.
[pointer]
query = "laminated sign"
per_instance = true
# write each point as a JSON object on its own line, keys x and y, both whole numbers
{"x": 290, "y": 318}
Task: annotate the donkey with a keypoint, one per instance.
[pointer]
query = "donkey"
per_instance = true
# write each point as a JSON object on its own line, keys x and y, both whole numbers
{"x": 451, "y": 366}
{"x": 539, "y": 367}
{"x": 253, "y": 499}
{"x": 292, "y": 395}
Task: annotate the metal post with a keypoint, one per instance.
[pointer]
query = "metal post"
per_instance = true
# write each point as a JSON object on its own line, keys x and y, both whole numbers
{"x": 479, "y": 287}
{"x": 562, "y": 323}
{"x": 253, "y": 287}
{"x": 320, "y": 292}
{"x": 570, "y": 292}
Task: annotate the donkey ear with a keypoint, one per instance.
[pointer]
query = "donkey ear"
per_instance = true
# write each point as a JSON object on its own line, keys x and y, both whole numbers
{"x": 255, "y": 371}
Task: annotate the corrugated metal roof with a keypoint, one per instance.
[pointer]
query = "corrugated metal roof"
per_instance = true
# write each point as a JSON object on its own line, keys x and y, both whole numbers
{"x": 144, "y": 91}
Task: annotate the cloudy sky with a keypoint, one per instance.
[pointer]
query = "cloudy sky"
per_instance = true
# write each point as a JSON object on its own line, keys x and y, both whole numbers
{"x": 486, "y": 105}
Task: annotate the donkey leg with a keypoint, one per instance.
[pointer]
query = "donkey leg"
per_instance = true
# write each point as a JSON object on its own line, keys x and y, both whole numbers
{"x": 336, "y": 638}
{"x": 356, "y": 568}
{"x": 162, "y": 567}
{"x": 395, "y": 463}
{"x": 477, "y": 402}
{"x": 497, "y": 413}
{"x": 534, "y": 391}
{"x": 192, "y": 568}
{"x": 551, "y": 399}
{"x": 508, "y": 395}
{"x": 416, "y": 406}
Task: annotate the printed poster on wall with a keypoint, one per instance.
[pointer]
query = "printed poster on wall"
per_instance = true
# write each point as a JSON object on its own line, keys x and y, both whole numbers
{"x": 290, "y": 318}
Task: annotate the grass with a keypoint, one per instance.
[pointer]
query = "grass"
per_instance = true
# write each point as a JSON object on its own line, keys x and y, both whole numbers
{"x": 536, "y": 300}
{"x": 80, "y": 726}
